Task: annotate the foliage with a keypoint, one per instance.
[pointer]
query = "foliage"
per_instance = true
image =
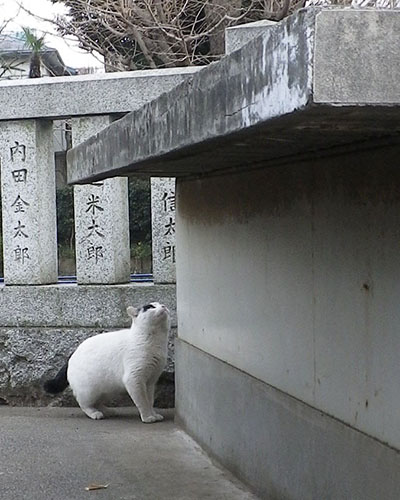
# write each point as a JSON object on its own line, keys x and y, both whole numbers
{"x": 139, "y": 212}
{"x": 145, "y": 34}
{"x": 9, "y": 66}
{"x": 36, "y": 45}
{"x": 65, "y": 219}
{"x": 141, "y": 250}
{"x": 140, "y": 34}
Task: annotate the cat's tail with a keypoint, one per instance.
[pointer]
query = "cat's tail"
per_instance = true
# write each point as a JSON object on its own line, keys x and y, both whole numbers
{"x": 58, "y": 383}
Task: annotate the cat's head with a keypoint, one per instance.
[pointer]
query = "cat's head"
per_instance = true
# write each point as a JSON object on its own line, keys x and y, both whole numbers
{"x": 150, "y": 314}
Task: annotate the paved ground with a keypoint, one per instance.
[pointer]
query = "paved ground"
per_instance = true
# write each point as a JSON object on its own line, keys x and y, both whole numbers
{"x": 54, "y": 453}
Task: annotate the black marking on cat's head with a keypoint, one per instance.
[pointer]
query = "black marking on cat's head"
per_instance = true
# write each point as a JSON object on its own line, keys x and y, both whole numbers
{"x": 154, "y": 311}
{"x": 147, "y": 307}
{"x": 149, "y": 313}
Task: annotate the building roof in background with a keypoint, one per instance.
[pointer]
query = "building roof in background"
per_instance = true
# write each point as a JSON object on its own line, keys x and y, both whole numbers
{"x": 13, "y": 45}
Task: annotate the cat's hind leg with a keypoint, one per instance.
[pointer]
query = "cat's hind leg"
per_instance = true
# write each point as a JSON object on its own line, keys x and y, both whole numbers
{"x": 87, "y": 405}
{"x": 93, "y": 413}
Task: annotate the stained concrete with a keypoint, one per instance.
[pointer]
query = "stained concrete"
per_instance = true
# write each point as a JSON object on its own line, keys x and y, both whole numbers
{"x": 257, "y": 105}
{"x": 284, "y": 448}
{"x": 297, "y": 268}
{"x": 237, "y": 36}
{"x": 243, "y": 89}
{"x": 356, "y": 59}
{"x": 55, "y": 453}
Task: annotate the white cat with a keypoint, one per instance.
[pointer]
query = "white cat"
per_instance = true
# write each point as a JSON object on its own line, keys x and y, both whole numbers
{"x": 112, "y": 362}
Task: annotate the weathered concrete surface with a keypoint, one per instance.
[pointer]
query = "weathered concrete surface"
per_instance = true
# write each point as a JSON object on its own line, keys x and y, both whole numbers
{"x": 256, "y": 106}
{"x": 237, "y": 36}
{"x": 41, "y": 326}
{"x": 55, "y": 453}
{"x": 282, "y": 447}
{"x": 100, "y": 94}
{"x": 298, "y": 270}
{"x": 356, "y": 58}
{"x": 251, "y": 85}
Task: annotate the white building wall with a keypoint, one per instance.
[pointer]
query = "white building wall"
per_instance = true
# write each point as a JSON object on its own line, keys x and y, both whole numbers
{"x": 292, "y": 274}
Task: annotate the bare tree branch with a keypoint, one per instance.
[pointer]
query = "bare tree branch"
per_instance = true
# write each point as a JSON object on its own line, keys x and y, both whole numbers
{"x": 139, "y": 34}
{"x": 8, "y": 67}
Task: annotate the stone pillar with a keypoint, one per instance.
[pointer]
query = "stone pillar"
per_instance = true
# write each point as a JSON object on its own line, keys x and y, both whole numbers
{"x": 101, "y": 219}
{"x": 28, "y": 202}
{"x": 163, "y": 229}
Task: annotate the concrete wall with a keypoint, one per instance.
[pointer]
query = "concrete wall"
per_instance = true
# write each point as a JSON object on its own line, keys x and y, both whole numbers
{"x": 304, "y": 268}
{"x": 282, "y": 448}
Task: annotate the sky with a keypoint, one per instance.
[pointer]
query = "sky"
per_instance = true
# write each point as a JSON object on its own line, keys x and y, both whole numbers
{"x": 68, "y": 49}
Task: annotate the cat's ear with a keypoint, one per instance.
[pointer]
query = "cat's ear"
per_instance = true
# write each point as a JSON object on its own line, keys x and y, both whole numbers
{"x": 132, "y": 312}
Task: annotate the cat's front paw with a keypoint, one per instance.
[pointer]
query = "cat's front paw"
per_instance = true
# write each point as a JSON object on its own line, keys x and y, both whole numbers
{"x": 97, "y": 415}
{"x": 93, "y": 413}
{"x": 149, "y": 420}
{"x": 158, "y": 417}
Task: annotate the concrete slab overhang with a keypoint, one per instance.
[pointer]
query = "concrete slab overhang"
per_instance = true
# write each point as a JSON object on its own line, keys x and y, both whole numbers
{"x": 317, "y": 82}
